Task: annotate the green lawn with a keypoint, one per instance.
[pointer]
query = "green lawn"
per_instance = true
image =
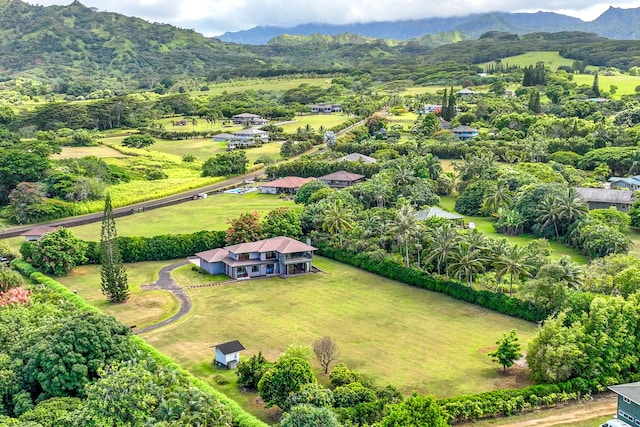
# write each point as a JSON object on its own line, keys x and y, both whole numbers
{"x": 553, "y": 60}
{"x": 400, "y": 335}
{"x": 141, "y": 309}
{"x": 485, "y": 225}
{"x": 315, "y": 121}
{"x": 201, "y": 125}
{"x": 204, "y": 214}
{"x": 416, "y": 90}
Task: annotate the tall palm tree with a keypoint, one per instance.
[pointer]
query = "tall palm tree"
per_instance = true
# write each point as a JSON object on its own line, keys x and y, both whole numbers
{"x": 442, "y": 241}
{"x": 432, "y": 163}
{"x": 548, "y": 213}
{"x": 465, "y": 264}
{"x": 571, "y": 272}
{"x": 337, "y": 218}
{"x": 403, "y": 174}
{"x": 570, "y": 206}
{"x": 404, "y": 227}
{"x": 499, "y": 195}
{"x": 516, "y": 263}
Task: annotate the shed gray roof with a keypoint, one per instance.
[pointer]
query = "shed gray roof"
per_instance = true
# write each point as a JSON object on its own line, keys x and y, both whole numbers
{"x": 356, "y": 157}
{"x": 437, "y": 213}
{"x": 230, "y": 347}
{"x": 631, "y": 391}
{"x": 605, "y": 195}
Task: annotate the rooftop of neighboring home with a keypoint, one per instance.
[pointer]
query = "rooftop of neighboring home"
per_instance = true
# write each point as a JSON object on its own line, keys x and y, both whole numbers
{"x": 288, "y": 182}
{"x": 631, "y": 180}
{"x": 341, "y": 176}
{"x": 246, "y": 116}
{"x": 356, "y": 157}
{"x": 605, "y": 195}
{"x": 437, "y": 212}
{"x": 283, "y": 245}
{"x": 250, "y": 132}
{"x": 464, "y": 129}
{"x": 40, "y": 230}
{"x": 465, "y": 91}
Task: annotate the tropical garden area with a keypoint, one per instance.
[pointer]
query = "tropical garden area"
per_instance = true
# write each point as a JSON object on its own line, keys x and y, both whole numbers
{"x": 514, "y": 296}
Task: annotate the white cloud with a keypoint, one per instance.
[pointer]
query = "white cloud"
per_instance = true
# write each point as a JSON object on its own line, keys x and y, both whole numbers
{"x": 212, "y": 17}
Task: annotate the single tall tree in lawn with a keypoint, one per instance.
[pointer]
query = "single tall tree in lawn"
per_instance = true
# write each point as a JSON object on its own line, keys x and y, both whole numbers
{"x": 508, "y": 350}
{"x": 326, "y": 350}
{"x": 113, "y": 275}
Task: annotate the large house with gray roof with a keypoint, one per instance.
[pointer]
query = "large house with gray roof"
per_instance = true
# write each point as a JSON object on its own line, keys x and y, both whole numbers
{"x": 604, "y": 198}
{"x": 278, "y": 256}
{"x": 628, "y": 402}
{"x": 248, "y": 118}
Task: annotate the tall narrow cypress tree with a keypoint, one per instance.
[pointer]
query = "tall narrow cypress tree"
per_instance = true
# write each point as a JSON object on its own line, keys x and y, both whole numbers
{"x": 112, "y": 272}
{"x": 445, "y": 100}
{"x": 595, "y": 87}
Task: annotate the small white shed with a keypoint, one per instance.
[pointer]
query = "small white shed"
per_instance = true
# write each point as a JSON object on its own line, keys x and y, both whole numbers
{"x": 228, "y": 354}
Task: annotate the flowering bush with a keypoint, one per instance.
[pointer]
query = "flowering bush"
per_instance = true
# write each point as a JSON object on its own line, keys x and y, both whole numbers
{"x": 17, "y": 295}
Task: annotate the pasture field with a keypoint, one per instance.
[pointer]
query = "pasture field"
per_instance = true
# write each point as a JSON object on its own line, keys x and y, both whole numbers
{"x": 626, "y": 84}
{"x": 417, "y": 90}
{"x": 397, "y": 334}
{"x": 211, "y": 213}
{"x": 141, "y": 309}
{"x": 315, "y": 121}
{"x": 553, "y": 60}
{"x": 101, "y": 151}
{"x": 263, "y": 84}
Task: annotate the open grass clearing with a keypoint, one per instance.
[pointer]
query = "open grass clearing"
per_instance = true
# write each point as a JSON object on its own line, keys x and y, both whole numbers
{"x": 315, "y": 121}
{"x": 281, "y": 84}
{"x": 626, "y": 84}
{"x": 101, "y": 151}
{"x": 143, "y": 308}
{"x": 196, "y": 124}
{"x": 553, "y": 60}
{"x": 211, "y": 213}
{"x": 417, "y": 90}
{"x": 400, "y": 335}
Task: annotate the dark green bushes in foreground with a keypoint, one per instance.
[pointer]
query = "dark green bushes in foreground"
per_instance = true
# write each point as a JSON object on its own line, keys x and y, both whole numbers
{"x": 135, "y": 385}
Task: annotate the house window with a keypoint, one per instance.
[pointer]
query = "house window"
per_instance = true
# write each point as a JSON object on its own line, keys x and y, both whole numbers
{"x": 270, "y": 255}
{"x": 255, "y": 268}
{"x": 638, "y": 422}
{"x": 625, "y": 415}
{"x": 626, "y": 400}
{"x": 243, "y": 256}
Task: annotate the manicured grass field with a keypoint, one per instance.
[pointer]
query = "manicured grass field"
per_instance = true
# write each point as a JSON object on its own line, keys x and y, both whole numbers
{"x": 77, "y": 152}
{"x": 400, "y": 335}
{"x": 315, "y": 121}
{"x": 416, "y": 90}
{"x": 211, "y": 213}
{"x": 141, "y": 309}
{"x": 485, "y": 225}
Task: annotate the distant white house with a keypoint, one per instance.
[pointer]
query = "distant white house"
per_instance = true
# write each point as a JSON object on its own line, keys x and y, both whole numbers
{"x": 244, "y": 138}
{"x": 356, "y": 157}
{"x": 228, "y": 354}
{"x": 465, "y": 133}
{"x": 323, "y": 108}
{"x": 248, "y": 118}
{"x": 465, "y": 92}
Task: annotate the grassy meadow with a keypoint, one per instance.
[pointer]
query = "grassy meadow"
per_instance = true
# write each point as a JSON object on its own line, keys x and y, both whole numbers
{"x": 626, "y": 84}
{"x": 263, "y": 84}
{"x": 100, "y": 151}
{"x": 315, "y": 121}
{"x": 211, "y": 213}
{"x": 553, "y": 60}
{"x": 397, "y": 334}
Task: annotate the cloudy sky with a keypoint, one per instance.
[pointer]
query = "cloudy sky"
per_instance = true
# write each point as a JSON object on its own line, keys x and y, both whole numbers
{"x": 214, "y": 17}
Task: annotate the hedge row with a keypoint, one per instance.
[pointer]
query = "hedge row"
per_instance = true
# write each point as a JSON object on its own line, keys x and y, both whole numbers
{"x": 509, "y": 402}
{"x": 161, "y": 248}
{"x": 499, "y": 302}
{"x": 240, "y": 417}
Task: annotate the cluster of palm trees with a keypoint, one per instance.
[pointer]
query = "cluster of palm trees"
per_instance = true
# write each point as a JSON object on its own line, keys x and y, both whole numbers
{"x": 561, "y": 210}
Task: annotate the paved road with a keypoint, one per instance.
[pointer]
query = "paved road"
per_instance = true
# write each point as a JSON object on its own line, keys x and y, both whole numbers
{"x": 166, "y": 283}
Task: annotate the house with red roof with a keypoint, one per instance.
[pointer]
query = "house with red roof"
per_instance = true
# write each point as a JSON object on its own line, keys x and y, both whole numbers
{"x": 37, "y": 232}
{"x": 286, "y": 185}
{"x": 278, "y": 256}
{"x": 341, "y": 179}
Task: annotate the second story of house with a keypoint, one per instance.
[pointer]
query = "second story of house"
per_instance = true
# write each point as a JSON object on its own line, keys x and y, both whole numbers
{"x": 252, "y": 119}
{"x": 280, "y": 248}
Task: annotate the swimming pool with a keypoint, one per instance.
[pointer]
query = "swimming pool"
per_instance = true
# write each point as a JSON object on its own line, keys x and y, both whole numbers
{"x": 241, "y": 190}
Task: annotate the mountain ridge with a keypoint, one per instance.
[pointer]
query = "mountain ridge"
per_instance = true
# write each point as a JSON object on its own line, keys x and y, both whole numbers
{"x": 609, "y": 24}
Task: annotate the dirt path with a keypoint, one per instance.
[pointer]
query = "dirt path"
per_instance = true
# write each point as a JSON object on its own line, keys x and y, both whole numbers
{"x": 599, "y": 407}
{"x": 165, "y": 282}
